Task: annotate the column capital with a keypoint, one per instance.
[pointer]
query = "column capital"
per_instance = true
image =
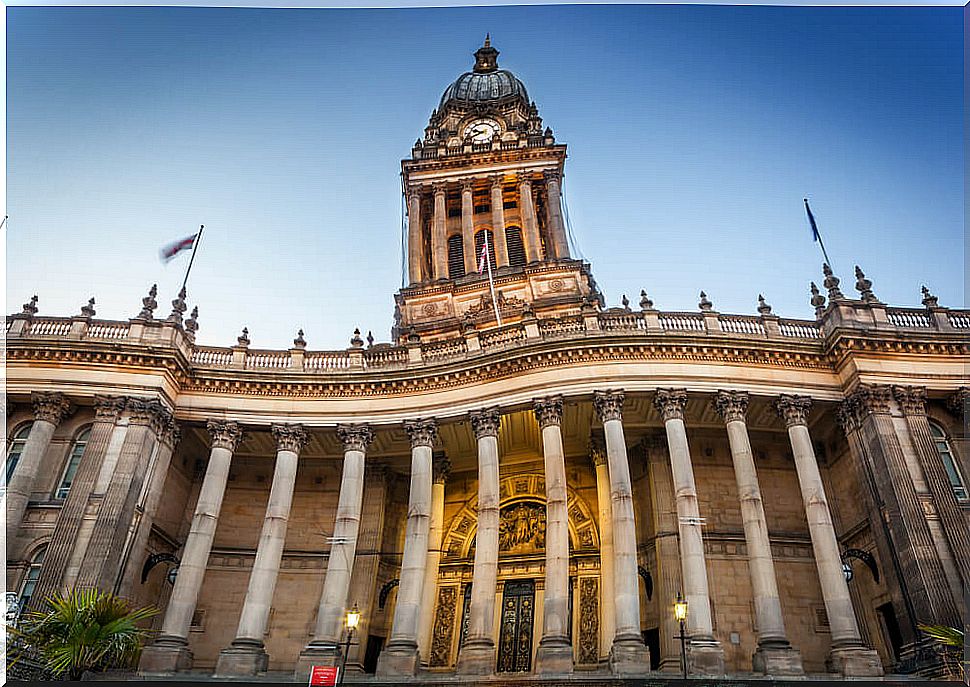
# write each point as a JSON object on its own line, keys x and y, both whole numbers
{"x": 422, "y": 432}
{"x": 439, "y": 188}
{"x": 170, "y": 433}
{"x": 467, "y": 185}
{"x": 355, "y": 437}
{"x": 552, "y": 176}
{"x": 911, "y": 399}
{"x": 290, "y": 437}
{"x": 224, "y": 433}
{"x": 108, "y": 408}
{"x": 597, "y": 450}
{"x": 957, "y": 402}
{"x": 147, "y": 411}
{"x": 548, "y": 411}
{"x": 793, "y": 409}
{"x": 609, "y": 404}
{"x": 485, "y": 422}
{"x": 496, "y": 180}
{"x": 440, "y": 468}
{"x": 731, "y": 405}
{"x": 670, "y": 403}
{"x": 523, "y": 178}
{"x": 50, "y": 406}
{"x": 871, "y": 398}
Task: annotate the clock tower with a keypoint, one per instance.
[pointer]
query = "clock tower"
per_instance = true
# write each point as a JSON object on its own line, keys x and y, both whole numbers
{"x": 486, "y": 178}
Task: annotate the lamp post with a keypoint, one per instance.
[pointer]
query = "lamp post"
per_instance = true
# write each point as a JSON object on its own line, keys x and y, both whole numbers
{"x": 680, "y": 613}
{"x": 353, "y": 620}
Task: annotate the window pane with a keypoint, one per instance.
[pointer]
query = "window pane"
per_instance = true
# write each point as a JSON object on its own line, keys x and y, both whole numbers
{"x": 946, "y": 455}
{"x": 72, "y": 464}
{"x": 16, "y": 449}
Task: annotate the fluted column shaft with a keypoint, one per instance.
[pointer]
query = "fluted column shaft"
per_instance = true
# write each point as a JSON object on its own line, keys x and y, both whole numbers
{"x": 527, "y": 208}
{"x": 557, "y": 228}
{"x": 498, "y": 223}
{"x": 435, "y": 534}
{"x": 607, "y": 618}
{"x": 439, "y": 242}
{"x": 415, "y": 239}
{"x": 468, "y": 227}
{"x": 49, "y": 409}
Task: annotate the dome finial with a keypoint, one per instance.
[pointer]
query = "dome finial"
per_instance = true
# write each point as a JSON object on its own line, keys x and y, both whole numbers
{"x": 486, "y": 57}
{"x": 488, "y": 40}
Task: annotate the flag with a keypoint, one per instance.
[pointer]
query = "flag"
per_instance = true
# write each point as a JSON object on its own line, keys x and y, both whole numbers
{"x": 171, "y": 250}
{"x": 483, "y": 260}
{"x": 811, "y": 220}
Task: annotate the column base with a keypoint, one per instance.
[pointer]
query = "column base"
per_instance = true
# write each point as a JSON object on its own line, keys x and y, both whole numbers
{"x": 554, "y": 656}
{"x": 242, "y": 657}
{"x": 168, "y": 655}
{"x": 629, "y": 656}
{"x": 777, "y": 660}
{"x": 316, "y": 654}
{"x": 476, "y": 658}
{"x": 705, "y": 657}
{"x": 855, "y": 662}
{"x": 398, "y": 659}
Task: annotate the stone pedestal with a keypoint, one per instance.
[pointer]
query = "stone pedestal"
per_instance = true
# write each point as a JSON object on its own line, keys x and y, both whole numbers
{"x": 315, "y": 654}
{"x": 398, "y": 659}
{"x": 242, "y": 657}
{"x": 476, "y": 658}
{"x": 166, "y": 656}
{"x": 777, "y": 661}
{"x": 705, "y": 658}
{"x": 554, "y": 656}
{"x": 629, "y": 656}
{"x": 855, "y": 662}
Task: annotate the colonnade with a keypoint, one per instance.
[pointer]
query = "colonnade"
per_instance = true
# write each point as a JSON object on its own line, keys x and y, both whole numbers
{"x": 421, "y": 269}
{"x": 411, "y": 623}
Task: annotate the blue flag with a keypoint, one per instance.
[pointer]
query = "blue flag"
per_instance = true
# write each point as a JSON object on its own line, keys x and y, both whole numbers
{"x": 811, "y": 220}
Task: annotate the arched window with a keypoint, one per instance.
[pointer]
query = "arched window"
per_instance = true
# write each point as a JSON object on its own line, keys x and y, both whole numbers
{"x": 479, "y": 242}
{"x": 73, "y": 460}
{"x": 456, "y": 257}
{"x": 17, "y": 448}
{"x": 29, "y": 582}
{"x": 513, "y": 240}
{"x": 949, "y": 463}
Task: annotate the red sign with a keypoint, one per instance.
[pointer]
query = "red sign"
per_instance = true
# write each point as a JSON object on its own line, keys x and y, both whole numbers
{"x": 323, "y": 676}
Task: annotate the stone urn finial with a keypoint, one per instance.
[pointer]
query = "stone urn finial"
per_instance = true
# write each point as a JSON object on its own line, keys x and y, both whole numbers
{"x": 831, "y": 283}
{"x": 645, "y": 302}
{"x": 705, "y": 304}
{"x": 30, "y": 307}
{"x": 192, "y": 324}
{"x": 763, "y": 307}
{"x": 864, "y": 286}
{"x": 243, "y": 338}
{"x": 929, "y": 300}
{"x": 355, "y": 340}
{"x": 299, "y": 341}
{"x": 88, "y": 310}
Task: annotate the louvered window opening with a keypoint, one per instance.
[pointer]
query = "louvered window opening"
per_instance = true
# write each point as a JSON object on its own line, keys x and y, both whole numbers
{"x": 456, "y": 257}
{"x": 513, "y": 239}
{"x": 479, "y": 242}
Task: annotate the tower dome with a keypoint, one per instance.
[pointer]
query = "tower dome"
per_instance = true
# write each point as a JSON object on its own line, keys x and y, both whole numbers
{"x": 486, "y": 83}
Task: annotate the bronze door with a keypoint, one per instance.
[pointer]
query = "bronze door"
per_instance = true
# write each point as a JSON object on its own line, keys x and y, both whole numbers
{"x": 515, "y": 638}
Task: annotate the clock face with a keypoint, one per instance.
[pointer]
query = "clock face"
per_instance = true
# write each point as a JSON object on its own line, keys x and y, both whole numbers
{"x": 482, "y": 130}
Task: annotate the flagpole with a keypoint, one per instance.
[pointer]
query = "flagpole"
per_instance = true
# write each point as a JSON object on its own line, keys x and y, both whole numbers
{"x": 818, "y": 234}
{"x": 195, "y": 247}
{"x": 491, "y": 283}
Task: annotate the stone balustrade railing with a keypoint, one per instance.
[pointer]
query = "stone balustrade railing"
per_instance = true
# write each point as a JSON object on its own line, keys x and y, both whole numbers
{"x": 473, "y": 342}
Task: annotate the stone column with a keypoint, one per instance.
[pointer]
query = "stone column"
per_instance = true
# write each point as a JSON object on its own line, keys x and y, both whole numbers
{"x": 706, "y": 656}
{"x": 322, "y": 648}
{"x": 775, "y": 655}
{"x": 498, "y": 222}
{"x": 50, "y": 407}
{"x": 530, "y": 228}
{"x": 170, "y": 652}
{"x": 597, "y": 452}
{"x": 439, "y": 240}
{"x": 628, "y": 654}
{"x": 246, "y": 655}
{"x": 557, "y": 227}
{"x": 555, "y": 653}
{"x": 415, "y": 237}
{"x": 400, "y": 656}
{"x": 435, "y": 533}
{"x": 468, "y": 227}
{"x": 849, "y": 655}
{"x": 477, "y": 655}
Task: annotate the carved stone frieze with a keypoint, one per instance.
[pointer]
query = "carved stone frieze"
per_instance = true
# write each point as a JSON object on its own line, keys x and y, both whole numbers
{"x": 355, "y": 437}
{"x": 731, "y": 405}
{"x": 422, "y": 432}
{"x": 670, "y": 403}
{"x": 548, "y": 411}
{"x": 444, "y": 626}
{"x": 485, "y": 422}
{"x": 589, "y": 620}
{"x": 609, "y": 404}
{"x": 224, "y": 433}
{"x": 51, "y": 406}
{"x": 522, "y": 528}
{"x": 793, "y": 409}
{"x": 290, "y": 437}
{"x": 911, "y": 399}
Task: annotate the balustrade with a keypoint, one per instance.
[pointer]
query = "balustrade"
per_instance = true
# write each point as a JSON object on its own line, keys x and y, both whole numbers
{"x": 799, "y": 329}
{"x": 919, "y": 319}
{"x": 50, "y": 327}
{"x": 622, "y": 322}
{"x": 682, "y": 321}
{"x": 503, "y": 336}
{"x": 273, "y": 360}
{"x": 739, "y": 324}
{"x": 107, "y": 330}
{"x": 959, "y": 320}
{"x": 212, "y": 357}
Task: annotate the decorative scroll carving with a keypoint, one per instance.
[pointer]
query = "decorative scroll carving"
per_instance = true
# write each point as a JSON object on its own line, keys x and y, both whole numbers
{"x": 444, "y": 627}
{"x": 224, "y": 434}
{"x": 589, "y": 620}
{"x": 505, "y": 303}
{"x": 290, "y": 437}
{"x": 485, "y": 422}
{"x": 51, "y": 406}
{"x": 793, "y": 409}
{"x": 731, "y": 405}
{"x": 355, "y": 437}
{"x": 608, "y": 404}
{"x": 911, "y": 399}
{"x": 522, "y": 528}
{"x": 422, "y": 432}
{"x": 548, "y": 411}
{"x": 670, "y": 403}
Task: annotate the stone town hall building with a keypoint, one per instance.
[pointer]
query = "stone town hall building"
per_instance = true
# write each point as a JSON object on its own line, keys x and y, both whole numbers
{"x": 527, "y": 495}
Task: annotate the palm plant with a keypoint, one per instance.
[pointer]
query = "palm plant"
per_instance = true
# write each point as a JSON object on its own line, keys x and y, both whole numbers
{"x": 85, "y": 630}
{"x": 952, "y": 642}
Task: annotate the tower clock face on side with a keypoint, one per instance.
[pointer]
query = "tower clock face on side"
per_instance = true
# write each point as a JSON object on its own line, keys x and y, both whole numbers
{"x": 482, "y": 130}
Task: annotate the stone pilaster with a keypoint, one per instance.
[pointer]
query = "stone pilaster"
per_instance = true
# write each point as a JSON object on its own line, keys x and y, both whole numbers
{"x": 415, "y": 238}
{"x": 527, "y": 209}
{"x": 498, "y": 222}
{"x": 468, "y": 227}
{"x": 439, "y": 242}
{"x": 557, "y": 228}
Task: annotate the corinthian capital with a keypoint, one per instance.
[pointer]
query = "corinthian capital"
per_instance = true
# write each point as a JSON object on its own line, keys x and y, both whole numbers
{"x": 597, "y": 450}
{"x": 51, "y": 406}
{"x": 548, "y": 411}
{"x": 959, "y": 402}
{"x": 911, "y": 399}
{"x": 524, "y": 178}
{"x": 224, "y": 433}
{"x": 440, "y": 467}
{"x": 793, "y": 409}
{"x": 355, "y": 437}
{"x": 485, "y": 422}
{"x": 422, "y": 432}
{"x": 552, "y": 176}
{"x": 108, "y": 408}
{"x": 670, "y": 403}
{"x": 146, "y": 411}
{"x": 731, "y": 405}
{"x": 871, "y": 398}
{"x": 608, "y": 404}
{"x": 290, "y": 437}
{"x": 439, "y": 188}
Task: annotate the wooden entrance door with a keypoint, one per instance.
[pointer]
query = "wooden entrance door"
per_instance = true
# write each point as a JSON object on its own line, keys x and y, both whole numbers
{"x": 515, "y": 637}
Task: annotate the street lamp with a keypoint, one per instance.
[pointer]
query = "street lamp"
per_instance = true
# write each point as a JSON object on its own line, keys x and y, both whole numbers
{"x": 680, "y": 614}
{"x": 353, "y": 620}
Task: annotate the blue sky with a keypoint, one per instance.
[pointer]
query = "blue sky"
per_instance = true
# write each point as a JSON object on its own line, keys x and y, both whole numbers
{"x": 693, "y": 134}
